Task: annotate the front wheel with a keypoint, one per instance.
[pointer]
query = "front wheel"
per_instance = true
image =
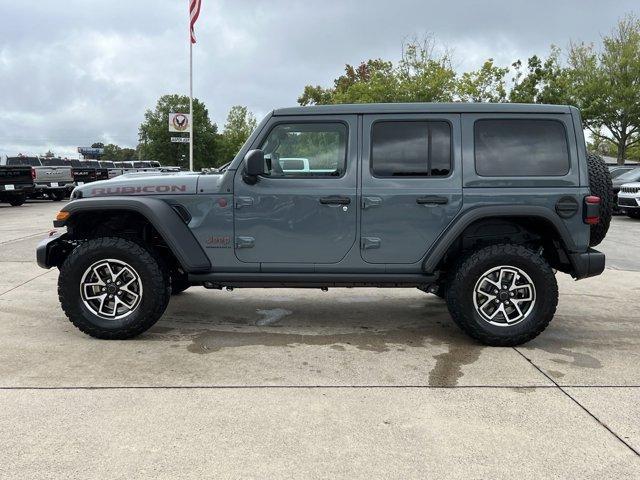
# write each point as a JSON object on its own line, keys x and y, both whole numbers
{"x": 503, "y": 295}
{"x": 633, "y": 213}
{"x": 112, "y": 288}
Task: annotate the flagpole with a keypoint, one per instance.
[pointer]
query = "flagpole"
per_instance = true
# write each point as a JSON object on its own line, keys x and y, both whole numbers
{"x": 190, "y": 100}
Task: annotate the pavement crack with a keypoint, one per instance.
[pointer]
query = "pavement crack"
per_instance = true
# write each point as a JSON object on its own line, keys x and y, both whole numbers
{"x": 573, "y": 399}
{"x": 24, "y": 283}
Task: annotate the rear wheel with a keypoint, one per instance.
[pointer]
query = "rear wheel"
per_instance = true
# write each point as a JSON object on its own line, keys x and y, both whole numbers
{"x": 503, "y": 295}
{"x": 113, "y": 288}
{"x": 17, "y": 200}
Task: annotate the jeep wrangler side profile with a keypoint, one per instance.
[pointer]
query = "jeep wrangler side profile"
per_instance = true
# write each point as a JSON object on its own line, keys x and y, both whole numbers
{"x": 477, "y": 203}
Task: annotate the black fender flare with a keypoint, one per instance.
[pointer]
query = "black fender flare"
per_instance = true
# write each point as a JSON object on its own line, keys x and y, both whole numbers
{"x": 466, "y": 218}
{"x": 160, "y": 214}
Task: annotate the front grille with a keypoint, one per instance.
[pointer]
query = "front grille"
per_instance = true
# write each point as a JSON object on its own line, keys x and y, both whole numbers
{"x": 627, "y": 202}
{"x": 630, "y": 189}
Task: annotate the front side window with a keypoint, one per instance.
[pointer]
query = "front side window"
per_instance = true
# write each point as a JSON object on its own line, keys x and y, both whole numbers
{"x": 411, "y": 149}
{"x": 306, "y": 150}
{"x": 520, "y": 147}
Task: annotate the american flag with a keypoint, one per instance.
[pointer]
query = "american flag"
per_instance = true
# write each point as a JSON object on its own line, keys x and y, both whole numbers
{"x": 194, "y": 10}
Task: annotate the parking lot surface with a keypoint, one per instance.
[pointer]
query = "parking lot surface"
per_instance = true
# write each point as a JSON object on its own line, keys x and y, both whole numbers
{"x": 350, "y": 383}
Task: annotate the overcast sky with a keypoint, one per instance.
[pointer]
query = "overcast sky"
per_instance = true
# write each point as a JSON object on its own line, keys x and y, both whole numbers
{"x": 73, "y": 72}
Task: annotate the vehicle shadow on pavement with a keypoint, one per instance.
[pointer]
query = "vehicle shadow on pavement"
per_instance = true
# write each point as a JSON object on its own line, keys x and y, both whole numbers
{"x": 353, "y": 321}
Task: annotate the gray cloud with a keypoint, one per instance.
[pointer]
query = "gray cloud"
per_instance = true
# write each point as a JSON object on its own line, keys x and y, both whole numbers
{"x": 78, "y": 71}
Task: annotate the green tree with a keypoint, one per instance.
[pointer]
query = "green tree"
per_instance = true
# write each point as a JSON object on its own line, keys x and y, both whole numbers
{"x": 487, "y": 84}
{"x": 545, "y": 80}
{"x": 111, "y": 152}
{"x": 115, "y": 153}
{"x": 240, "y": 124}
{"x": 606, "y": 85}
{"x": 421, "y": 75}
{"x": 155, "y": 138}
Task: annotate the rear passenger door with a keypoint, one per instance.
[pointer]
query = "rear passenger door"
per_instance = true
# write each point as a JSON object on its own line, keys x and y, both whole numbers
{"x": 411, "y": 184}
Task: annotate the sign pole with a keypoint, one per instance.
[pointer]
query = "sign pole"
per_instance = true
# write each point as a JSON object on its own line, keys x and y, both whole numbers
{"x": 190, "y": 101}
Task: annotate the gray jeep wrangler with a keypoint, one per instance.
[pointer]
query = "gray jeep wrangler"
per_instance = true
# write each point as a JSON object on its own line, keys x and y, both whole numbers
{"x": 479, "y": 204}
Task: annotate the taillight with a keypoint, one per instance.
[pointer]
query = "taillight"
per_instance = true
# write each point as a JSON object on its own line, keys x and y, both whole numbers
{"x": 33, "y": 173}
{"x": 591, "y": 209}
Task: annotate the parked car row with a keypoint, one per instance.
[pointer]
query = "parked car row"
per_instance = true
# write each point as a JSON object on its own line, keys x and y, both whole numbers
{"x": 54, "y": 178}
{"x": 626, "y": 189}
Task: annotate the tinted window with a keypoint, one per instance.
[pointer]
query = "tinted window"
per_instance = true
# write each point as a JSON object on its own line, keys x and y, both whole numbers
{"x": 517, "y": 148}
{"x": 411, "y": 149}
{"x": 107, "y": 165}
{"x": 320, "y": 148}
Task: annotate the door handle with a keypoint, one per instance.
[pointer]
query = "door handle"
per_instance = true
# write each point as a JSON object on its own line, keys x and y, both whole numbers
{"x": 335, "y": 200}
{"x": 432, "y": 200}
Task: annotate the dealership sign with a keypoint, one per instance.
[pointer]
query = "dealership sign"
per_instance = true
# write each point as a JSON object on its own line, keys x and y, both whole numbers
{"x": 90, "y": 151}
{"x": 179, "y": 122}
{"x": 180, "y": 139}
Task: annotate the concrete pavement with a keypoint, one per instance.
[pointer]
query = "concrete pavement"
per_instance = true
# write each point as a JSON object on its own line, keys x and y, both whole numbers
{"x": 351, "y": 383}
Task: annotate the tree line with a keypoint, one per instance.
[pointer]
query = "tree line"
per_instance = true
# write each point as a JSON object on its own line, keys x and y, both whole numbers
{"x": 602, "y": 80}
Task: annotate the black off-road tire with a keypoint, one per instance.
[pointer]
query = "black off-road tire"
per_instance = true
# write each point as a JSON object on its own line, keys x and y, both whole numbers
{"x": 470, "y": 269}
{"x": 156, "y": 290}
{"x": 17, "y": 200}
{"x": 633, "y": 213}
{"x": 600, "y": 185}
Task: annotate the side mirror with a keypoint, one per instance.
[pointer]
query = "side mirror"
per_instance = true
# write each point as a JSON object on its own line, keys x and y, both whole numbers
{"x": 254, "y": 163}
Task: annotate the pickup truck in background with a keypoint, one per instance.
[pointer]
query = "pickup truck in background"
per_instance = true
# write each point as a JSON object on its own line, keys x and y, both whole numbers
{"x": 112, "y": 170}
{"x": 81, "y": 173}
{"x": 16, "y": 184}
{"x": 53, "y": 179}
{"x": 102, "y": 173}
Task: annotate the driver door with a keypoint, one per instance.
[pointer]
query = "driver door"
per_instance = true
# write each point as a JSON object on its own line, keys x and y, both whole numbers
{"x": 304, "y": 209}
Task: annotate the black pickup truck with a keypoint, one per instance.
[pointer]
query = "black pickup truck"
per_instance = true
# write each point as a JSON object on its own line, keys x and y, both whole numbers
{"x": 81, "y": 173}
{"x": 16, "y": 183}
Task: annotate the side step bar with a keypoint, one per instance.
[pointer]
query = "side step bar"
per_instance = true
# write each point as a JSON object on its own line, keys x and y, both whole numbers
{"x": 310, "y": 280}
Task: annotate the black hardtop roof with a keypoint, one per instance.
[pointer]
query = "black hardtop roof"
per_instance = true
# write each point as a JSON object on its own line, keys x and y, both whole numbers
{"x": 459, "y": 107}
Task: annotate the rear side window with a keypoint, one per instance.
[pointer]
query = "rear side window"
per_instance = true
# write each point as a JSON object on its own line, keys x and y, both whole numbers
{"x": 411, "y": 149}
{"x": 519, "y": 148}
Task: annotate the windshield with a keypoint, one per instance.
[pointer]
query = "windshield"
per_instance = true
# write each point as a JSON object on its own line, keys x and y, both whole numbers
{"x": 619, "y": 171}
{"x": 630, "y": 176}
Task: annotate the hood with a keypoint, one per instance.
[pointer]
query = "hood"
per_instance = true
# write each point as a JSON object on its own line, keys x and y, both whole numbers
{"x": 140, "y": 184}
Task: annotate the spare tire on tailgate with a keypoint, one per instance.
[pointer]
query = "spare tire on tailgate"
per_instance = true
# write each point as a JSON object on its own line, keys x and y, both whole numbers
{"x": 600, "y": 185}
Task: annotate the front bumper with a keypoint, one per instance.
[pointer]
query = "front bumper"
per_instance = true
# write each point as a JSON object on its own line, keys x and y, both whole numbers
{"x": 52, "y": 250}
{"x": 587, "y": 264}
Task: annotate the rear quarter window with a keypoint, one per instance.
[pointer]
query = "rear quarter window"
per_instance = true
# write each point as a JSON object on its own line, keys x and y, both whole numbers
{"x": 520, "y": 148}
